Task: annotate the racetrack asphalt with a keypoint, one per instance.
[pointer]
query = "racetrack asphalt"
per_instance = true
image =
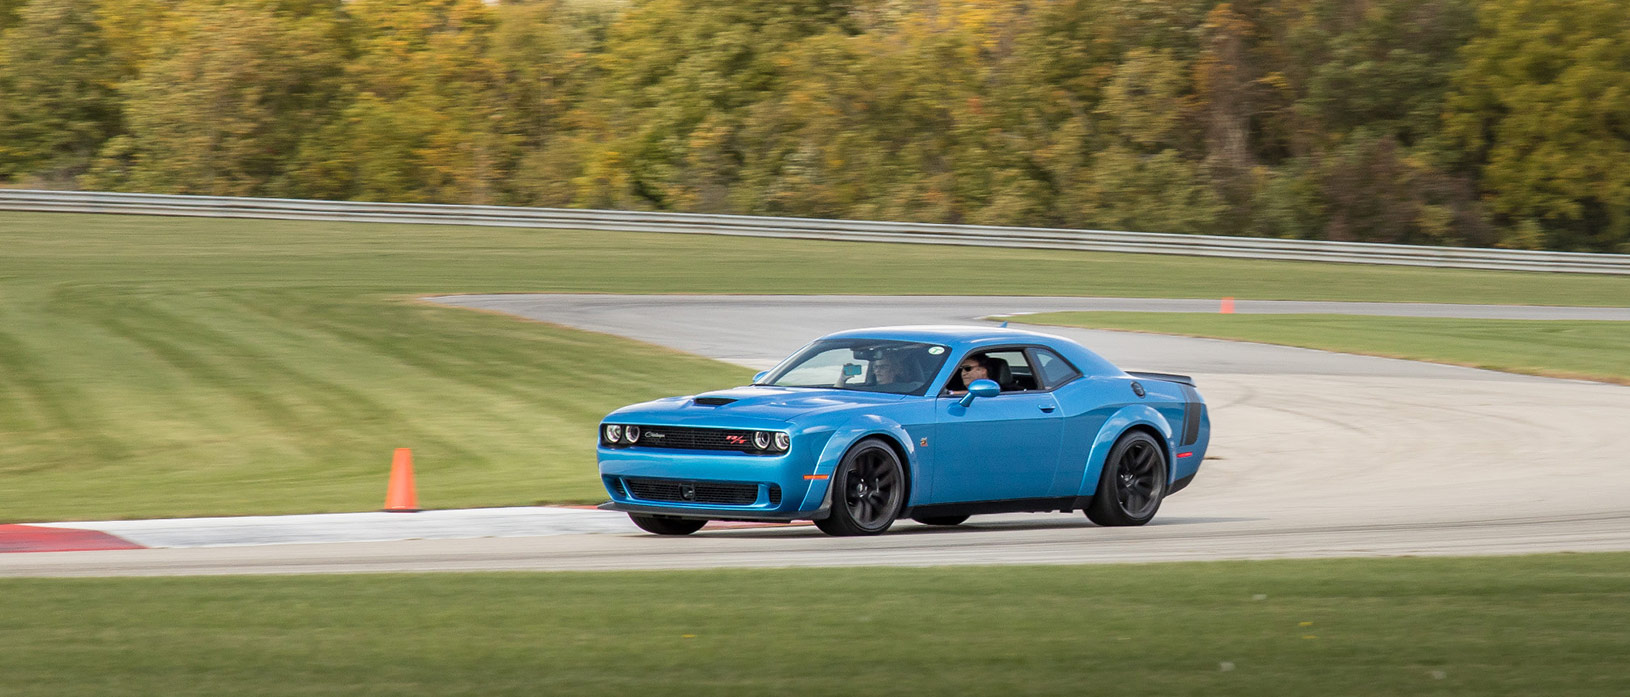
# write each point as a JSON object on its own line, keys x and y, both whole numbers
{"x": 1315, "y": 454}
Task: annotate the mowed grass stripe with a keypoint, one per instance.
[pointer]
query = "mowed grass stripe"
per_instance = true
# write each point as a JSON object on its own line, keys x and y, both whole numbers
{"x": 1591, "y": 350}
{"x": 157, "y": 253}
{"x": 56, "y": 401}
{"x": 1537, "y": 625}
{"x": 164, "y": 366}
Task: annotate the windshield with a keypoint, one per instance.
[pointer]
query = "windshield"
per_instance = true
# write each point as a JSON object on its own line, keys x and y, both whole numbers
{"x": 868, "y": 365}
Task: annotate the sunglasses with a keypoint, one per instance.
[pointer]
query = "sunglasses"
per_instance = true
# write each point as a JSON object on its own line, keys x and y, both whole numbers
{"x": 966, "y": 368}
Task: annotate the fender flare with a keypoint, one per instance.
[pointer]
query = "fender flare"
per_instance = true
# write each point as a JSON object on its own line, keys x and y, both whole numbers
{"x": 818, "y": 500}
{"x": 1127, "y": 417}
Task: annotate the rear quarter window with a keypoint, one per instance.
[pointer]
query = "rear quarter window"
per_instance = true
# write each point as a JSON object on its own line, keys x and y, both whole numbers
{"x": 1054, "y": 369}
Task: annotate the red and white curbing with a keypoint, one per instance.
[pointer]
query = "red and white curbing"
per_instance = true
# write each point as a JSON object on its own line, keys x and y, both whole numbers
{"x": 50, "y": 538}
{"x": 320, "y": 528}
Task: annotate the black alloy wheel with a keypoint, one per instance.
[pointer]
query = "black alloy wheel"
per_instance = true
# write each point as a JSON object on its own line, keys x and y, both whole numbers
{"x": 666, "y": 525}
{"x": 868, "y": 491}
{"x": 941, "y": 519}
{"x": 1133, "y": 482}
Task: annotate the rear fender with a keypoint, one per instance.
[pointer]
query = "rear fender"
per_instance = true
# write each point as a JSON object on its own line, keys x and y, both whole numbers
{"x": 1127, "y": 417}
{"x": 819, "y": 497}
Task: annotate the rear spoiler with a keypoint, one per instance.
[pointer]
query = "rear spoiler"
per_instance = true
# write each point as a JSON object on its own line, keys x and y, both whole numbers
{"x": 1167, "y": 377}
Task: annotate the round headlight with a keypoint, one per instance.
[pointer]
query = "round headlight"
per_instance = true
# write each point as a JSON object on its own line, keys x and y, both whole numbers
{"x": 614, "y": 433}
{"x": 631, "y": 434}
{"x": 761, "y": 440}
{"x": 782, "y": 440}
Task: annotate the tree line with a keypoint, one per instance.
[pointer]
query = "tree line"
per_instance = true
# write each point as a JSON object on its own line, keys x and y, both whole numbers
{"x": 1454, "y": 122}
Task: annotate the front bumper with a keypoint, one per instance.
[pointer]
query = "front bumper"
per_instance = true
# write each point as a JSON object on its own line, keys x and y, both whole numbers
{"x": 656, "y": 481}
{"x": 711, "y": 514}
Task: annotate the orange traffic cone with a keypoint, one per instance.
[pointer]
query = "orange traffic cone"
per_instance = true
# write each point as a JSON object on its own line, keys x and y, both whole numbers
{"x": 1227, "y": 306}
{"x": 399, "y": 496}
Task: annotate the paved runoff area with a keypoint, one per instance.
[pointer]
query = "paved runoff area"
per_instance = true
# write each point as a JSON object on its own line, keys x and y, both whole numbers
{"x": 1314, "y": 454}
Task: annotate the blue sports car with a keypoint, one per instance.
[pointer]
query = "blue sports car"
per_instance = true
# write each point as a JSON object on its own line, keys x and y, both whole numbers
{"x": 864, "y": 427}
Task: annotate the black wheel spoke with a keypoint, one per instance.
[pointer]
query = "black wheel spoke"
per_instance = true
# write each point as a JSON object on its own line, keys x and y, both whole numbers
{"x": 1135, "y": 482}
{"x": 1144, "y": 461}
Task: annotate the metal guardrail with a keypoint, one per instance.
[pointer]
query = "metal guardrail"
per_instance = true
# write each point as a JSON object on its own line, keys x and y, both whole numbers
{"x": 814, "y": 228}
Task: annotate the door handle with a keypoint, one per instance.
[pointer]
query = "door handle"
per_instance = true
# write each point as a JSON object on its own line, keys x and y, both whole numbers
{"x": 1048, "y": 408}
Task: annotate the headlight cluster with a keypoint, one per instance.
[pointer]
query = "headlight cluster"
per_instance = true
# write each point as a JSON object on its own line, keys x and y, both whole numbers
{"x": 617, "y": 434}
{"x": 771, "y": 441}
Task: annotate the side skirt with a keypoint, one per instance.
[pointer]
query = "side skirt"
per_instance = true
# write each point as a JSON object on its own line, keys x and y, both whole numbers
{"x": 1062, "y": 505}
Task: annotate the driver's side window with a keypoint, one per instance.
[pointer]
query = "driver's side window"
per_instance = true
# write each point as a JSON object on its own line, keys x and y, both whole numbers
{"x": 1008, "y": 368}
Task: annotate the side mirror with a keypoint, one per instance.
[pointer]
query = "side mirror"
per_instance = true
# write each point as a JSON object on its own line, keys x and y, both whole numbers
{"x": 760, "y": 376}
{"x": 980, "y": 388}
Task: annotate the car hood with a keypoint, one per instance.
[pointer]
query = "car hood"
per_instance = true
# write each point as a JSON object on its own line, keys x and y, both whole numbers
{"x": 740, "y": 405}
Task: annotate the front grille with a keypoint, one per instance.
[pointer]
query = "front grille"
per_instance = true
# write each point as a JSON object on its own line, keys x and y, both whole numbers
{"x": 684, "y": 491}
{"x": 681, "y": 438}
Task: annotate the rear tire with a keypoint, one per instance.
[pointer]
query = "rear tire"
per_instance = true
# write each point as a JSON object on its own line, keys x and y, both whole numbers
{"x": 666, "y": 525}
{"x": 1133, "y": 482}
{"x": 942, "y": 519}
{"x": 868, "y": 491}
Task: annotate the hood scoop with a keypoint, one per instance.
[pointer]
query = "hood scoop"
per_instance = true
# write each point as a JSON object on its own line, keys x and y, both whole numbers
{"x": 712, "y": 401}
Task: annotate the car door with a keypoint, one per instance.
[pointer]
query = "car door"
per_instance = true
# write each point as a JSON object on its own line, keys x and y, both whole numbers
{"x": 1002, "y": 447}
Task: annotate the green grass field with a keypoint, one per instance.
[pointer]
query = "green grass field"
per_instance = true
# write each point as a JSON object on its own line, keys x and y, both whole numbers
{"x": 1542, "y": 625}
{"x": 1584, "y": 349}
{"x": 172, "y": 366}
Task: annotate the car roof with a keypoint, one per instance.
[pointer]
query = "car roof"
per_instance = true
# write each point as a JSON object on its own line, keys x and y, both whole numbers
{"x": 962, "y": 337}
{"x": 950, "y": 334}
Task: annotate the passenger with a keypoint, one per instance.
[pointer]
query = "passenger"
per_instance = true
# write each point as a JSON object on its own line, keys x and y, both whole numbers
{"x": 972, "y": 368}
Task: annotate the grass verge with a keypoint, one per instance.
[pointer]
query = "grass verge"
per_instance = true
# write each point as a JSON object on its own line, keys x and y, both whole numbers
{"x": 1550, "y": 625}
{"x": 157, "y": 366}
{"x": 1590, "y": 350}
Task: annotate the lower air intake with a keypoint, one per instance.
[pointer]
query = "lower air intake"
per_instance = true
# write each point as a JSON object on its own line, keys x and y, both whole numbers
{"x": 685, "y": 491}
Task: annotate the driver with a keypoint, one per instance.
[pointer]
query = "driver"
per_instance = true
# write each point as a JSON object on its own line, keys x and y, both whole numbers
{"x": 888, "y": 369}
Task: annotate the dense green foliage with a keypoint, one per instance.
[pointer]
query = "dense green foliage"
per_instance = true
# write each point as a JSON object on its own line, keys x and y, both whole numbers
{"x": 1462, "y": 122}
{"x": 1446, "y": 627}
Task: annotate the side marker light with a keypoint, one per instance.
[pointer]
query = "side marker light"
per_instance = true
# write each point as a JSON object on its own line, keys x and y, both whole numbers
{"x": 816, "y": 476}
{"x": 1185, "y": 454}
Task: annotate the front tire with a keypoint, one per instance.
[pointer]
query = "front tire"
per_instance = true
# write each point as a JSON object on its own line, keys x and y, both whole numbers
{"x": 1133, "y": 482}
{"x": 665, "y": 525}
{"x": 868, "y": 491}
